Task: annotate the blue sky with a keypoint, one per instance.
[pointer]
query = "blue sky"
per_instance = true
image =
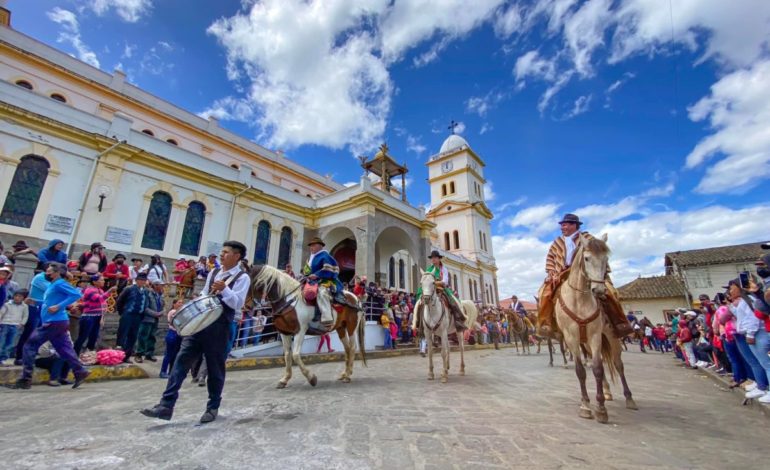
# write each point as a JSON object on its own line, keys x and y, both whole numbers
{"x": 647, "y": 118}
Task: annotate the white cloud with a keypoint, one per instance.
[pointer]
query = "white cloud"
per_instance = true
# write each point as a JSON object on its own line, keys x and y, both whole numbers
{"x": 537, "y": 220}
{"x": 481, "y": 105}
{"x": 486, "y": 127}
{"x": 507, "y": 21}
{"x": 413, "y": 144}
{"x": 515, "y": 203}
{"x": 460, "y": 127}
{"x": 579, "y": 107}
{"x": 532, "y": 65}
{"x": 615, "y": 86}
{"x": 129, "y": 10}
{"x": 128, "y": 51}
{"x": 229, "y": 109}
{"x": 738, "y": 110}
{"x": 489, "y": 192}
{"x": 71, "y": 34}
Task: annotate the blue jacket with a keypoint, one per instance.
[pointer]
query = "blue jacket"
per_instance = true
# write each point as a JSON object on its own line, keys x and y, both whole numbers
{"x": 38, "y": 287}
{"x": 325, "y": 267}
{"x": 60, "y": 293}
{"x": 132, "y": 300}
{"x": 47, "y": 255}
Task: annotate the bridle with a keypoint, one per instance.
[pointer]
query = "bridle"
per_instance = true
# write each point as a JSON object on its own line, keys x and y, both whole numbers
{"x": 431, "y": 299}
{"x": 582, "y": 322}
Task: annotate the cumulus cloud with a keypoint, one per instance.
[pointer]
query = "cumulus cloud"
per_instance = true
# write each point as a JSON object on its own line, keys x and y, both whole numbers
{"x": 537, "y": 220}
{"x": 413, "y": 144}
{"x": 481, "y": 105}
{"x": 130, "y": 11}
{"x": 489, "y": 191}
{"x": 507, "y": 21}
{"x": 70, "y": 34}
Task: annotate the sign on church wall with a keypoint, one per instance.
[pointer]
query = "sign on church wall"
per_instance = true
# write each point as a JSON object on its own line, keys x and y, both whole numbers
{"x": 213, "y": 247}
{"x": 59, "y": 224}
{"x": 119, "y": 235}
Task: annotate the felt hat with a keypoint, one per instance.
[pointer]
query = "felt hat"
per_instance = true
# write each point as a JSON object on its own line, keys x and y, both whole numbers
{"x": 434, "y": 254}
{"x": 571, "y": 219}
{"x": 20, "y": 245}
{"x": 119, "y": 255}
{"x": 316, "y": 241}
{"x": 141, "y": 277}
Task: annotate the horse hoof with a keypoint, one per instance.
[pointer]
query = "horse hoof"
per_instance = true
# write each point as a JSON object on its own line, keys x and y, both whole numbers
{"x": 608, "y": 397}
{"x": 313, "y": 381}
{"x": 462, "y": 372}
{"x": 342, "y": 377}
{"x": 431, "y": 377}
{"x": 631, "y": 404}
{"x": 346, "y": 380}
{"x": 443, "y": 380}
{"x": 586, "y": 413}
{"x": 281, "y": 385}
{"x": 601, "y": 415}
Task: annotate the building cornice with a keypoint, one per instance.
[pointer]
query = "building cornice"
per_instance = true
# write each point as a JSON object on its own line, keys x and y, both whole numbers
{"x": 466, "y": 169}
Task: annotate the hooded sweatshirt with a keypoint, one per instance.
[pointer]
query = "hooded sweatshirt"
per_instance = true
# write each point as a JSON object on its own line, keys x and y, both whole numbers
{"x": 60, "y": 293}
{"x": 50, "y": 254}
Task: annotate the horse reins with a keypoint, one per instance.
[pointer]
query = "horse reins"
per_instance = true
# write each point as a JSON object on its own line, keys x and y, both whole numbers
{"x": 582, "y": 322}
{"x": 425, "y": 318}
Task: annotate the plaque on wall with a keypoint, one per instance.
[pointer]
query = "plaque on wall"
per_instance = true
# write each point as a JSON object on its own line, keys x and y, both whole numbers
{"x": 213, "y": 247}
{"x": 59, "y": 224}
{"x": 119, "y": 235}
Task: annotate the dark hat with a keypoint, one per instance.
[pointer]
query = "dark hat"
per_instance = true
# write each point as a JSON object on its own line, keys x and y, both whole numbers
{"x": 434, "y": 254}
{"x": 96, "y": 245}
{"x": 20, "y": 245}
{"x": 119, "y": 255}
{"x": 141, "y": 276}
{"x": 571, "y": 219}
{"x": 136, "y": 259}
{"x": 736, "y": 281}
{"x": 316, "y": 241}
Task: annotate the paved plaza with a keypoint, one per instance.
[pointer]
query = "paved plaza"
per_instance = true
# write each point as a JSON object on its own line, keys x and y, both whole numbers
{"x": 508, "y": 412}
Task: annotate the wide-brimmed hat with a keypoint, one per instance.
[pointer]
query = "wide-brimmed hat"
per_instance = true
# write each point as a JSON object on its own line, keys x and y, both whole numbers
{"x": 316, "y": 241}
{"x": 119, "y": 255}
{"x": 96, "y": 245}
{"x": 141, "y": 277}
{"x": 571, "y": 219}
{"x": 434, "y": 254}
{"x": 20, "y": 245}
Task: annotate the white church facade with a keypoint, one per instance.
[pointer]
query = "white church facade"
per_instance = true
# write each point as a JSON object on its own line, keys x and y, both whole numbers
{"x": 86, "y": 156}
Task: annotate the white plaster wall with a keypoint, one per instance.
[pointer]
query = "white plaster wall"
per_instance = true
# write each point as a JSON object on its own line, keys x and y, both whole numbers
{"x": 653, "y": 308}
{"x": 711, "y": 279}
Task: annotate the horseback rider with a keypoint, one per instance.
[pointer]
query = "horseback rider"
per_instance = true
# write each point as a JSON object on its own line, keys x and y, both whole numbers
{"x": 557, "y": 266}
{"x": 321, "y": 268}
{"x": 517, "y": 307}
{"x": 439, "y": 271}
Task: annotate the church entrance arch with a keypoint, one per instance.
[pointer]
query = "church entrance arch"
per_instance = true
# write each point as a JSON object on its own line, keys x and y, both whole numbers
{"x": 395, "y": 247}
{"x": 342, "y": 245}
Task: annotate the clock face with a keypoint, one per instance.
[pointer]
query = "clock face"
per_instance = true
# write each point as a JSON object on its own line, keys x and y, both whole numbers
{"x": 446, "y": 166}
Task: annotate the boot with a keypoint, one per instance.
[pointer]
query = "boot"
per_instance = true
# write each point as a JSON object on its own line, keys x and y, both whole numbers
{"x": 317, "y": 316}
{"x": 158, "y": 411}
{"x": 21, "y": 384}
{"x": 458, "y": 317}
{"x": 209, "y": 415}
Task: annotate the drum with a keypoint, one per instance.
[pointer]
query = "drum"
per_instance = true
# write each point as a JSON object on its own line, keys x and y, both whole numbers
{"x": 197, "y": 314}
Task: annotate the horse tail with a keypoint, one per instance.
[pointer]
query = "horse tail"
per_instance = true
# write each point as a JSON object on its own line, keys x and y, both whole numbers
{"x": 610, "y": 348}
{"x": 361, "y": 327}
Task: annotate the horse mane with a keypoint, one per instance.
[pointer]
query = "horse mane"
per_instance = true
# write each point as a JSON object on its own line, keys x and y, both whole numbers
{"x": 271, "y": 277}
{"x": 597, "y": 246}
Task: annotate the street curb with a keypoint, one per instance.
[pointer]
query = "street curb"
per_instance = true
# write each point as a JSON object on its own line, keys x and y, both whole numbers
{"x": 250, "y": 363}
{"x": 738, "y": 391}
{"x": 9, "y": 375}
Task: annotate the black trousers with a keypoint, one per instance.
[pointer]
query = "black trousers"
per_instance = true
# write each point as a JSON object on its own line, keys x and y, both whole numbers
{"x": 212, "y": 344}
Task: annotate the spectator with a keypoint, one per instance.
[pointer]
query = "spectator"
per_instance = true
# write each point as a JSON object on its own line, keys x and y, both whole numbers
{"x": 3, "y": 259}
{"x": 288, "y": 270}
{"x": 116, "y": 274}
{"x": 179, "y": 267}
{"x": 149, "y": 327}
{"x": 52, "y": 254}
{"x": 156, "y": 270}
{"x": 173, "y": 342}
{"x": 20, "y": 248}
{"x": 740, "y": 369}
{"x": 131, "y": 305}
{"x": 385, "y": 322}
{"x": 94, "y": 304}
{"x": 260, "y": 320}
{"x": 201, "y": 268}
{"x": 748, "y": 327}
{"x": 685, "y": 339}
{"x": 94, "y": 260}
{"x": 212, "y": 263}
{"x": 660, "y": 339}
{"x": 55, "y": 328}
{"x": 11, "y": 286}
{"x": 13, "y": 317}
{"x": 38, "y": 287}
{"x": 325, "y": 339}
{"x": 135, "y": 269}
{"x": 186, "y": 280}
{"x": 5, "y": 273}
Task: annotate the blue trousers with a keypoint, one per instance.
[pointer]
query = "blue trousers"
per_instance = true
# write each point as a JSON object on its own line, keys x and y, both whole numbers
{"x": 211, "y": 343}
{"x": 8, "y": 335}
{"x": 128, "y": 332}
{"x": 88, "y": 330}
{"x": 760, "y": 377}
{"x": 33, "y": 321}
{"x": 741, "y": 370}
{"x": 56, "y": 333}
{"x": 173, "y": 343}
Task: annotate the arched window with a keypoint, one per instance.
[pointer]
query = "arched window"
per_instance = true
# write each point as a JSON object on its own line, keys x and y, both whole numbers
{"x": 475, "y": 290}
{"x": 443, "y": 190}
{"x": 58, "y": 97}
{"x": 148, "y": 132}
{"x": 454, "y": 284}
{"x": 451, "y": 187}
{"x": 193, "y": 229}
{"x": 456, "y": 239}
{"x": 172, "y": 141}
{"x": 263, "y": 242}
{"x": 446, "y": 241}
{"x": 401, "y": 274}
{"x": 470, "y": 289}
{"x": 284, "y": 248}
{"x": 24, "y": 84}
{"x": 157, "y": 221}
{"x": 24, "y": 192}
{"x": 392, "y": 272}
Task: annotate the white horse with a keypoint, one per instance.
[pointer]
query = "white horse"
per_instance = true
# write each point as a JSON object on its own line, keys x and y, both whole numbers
{"x": 293, "y": 322}
{"x": 437, "y": 321}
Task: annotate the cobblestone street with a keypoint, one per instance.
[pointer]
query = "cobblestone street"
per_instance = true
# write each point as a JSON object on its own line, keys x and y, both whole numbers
{"x": 509, "y": 411}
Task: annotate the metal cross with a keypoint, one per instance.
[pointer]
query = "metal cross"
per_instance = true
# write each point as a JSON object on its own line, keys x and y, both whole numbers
{"x": 452, "y": 125}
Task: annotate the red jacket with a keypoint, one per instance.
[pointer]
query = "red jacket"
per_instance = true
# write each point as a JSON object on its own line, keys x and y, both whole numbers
{"x": 659, "y": 333}
{"x": 685, "y": 335}
{"x": 112, "y": 270}
{"x": 359, "y": 290}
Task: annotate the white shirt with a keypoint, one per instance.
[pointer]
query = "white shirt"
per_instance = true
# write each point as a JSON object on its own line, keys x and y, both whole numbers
{"x": 312, "y": 255}
{"x": 234, "y": 295}
{"x": 154, "y": 273}
{"x": 571, "y": 247}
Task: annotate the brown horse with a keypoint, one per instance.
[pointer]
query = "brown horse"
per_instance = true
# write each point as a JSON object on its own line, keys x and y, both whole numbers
{"x": 293, "y": 320}
{"x": 519, "y": 330}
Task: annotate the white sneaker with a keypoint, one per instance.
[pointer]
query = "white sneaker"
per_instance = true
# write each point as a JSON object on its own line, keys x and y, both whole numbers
{"x": 765, "y": 399}
{"x": 756, "y": 393}
{"x": 751, "y": 387}
{"x": 8, "y": 362}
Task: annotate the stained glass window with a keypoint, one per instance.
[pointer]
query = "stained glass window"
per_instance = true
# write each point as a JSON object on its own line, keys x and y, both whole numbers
{"x": 392, "y": 272}
{"x": 401, "y": 274}
{"x": 193, "y": 229}
{"x": 24, "y": 193}
{"x": 157, "y": 221}
{"x": 284, "y": 249}
{"x": 263, "y": 242}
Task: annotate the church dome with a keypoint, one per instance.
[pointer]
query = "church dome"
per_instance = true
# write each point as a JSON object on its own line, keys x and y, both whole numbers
{"x": 453, "y": 142}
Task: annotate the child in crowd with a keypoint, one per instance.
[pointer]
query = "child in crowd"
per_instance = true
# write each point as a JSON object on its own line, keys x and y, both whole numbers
{"x": 173, "y": 342}
{"x": 13, "y": 317}
{"x": 385, "y": 321}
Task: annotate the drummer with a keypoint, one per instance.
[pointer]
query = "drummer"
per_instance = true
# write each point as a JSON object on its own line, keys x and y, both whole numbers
{"x": 231, "y": 284}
